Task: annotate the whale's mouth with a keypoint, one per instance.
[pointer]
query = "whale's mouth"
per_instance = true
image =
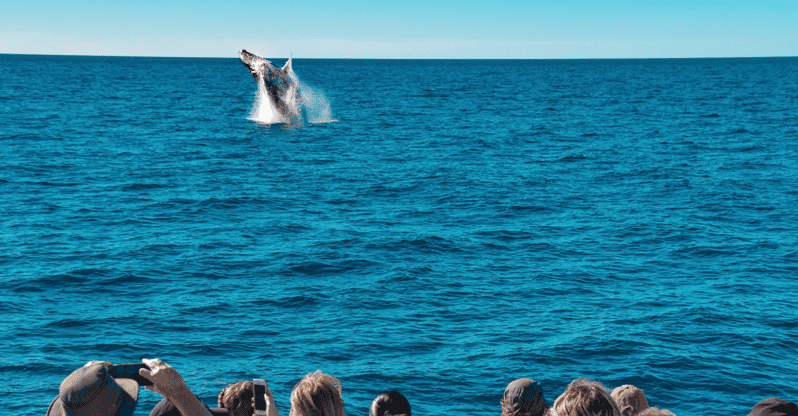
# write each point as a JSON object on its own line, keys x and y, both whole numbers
{"x": 261, "y": 69}
{"x": 255, "y": 64}
{"x": 248, "y": 59}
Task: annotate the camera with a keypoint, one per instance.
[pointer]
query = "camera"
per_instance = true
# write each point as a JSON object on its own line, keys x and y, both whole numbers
{"x": 129, "y": 371}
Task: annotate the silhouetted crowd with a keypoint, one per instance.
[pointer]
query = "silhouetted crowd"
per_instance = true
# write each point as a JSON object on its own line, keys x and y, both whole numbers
{"x": 93, "y": 391}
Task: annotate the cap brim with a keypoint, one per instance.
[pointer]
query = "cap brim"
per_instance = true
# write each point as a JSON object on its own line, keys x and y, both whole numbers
{"x": 56, "y": 408}
{"x": 129, "y": 396}
{"x": 773, "y": 406}
{"x": 125, "y": 403}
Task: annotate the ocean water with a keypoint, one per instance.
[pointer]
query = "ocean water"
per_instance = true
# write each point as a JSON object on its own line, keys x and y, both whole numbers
{"x": 461, "y": 224}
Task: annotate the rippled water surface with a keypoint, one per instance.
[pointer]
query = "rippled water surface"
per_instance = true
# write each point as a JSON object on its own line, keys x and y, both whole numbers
{"x": 462, "y": 224}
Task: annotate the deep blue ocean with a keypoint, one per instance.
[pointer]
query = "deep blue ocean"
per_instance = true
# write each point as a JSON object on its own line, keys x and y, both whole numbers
{"x": 461, "y": 224}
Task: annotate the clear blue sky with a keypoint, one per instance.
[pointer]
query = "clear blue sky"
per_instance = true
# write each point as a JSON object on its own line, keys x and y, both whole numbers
{"x": 403, "y": 28}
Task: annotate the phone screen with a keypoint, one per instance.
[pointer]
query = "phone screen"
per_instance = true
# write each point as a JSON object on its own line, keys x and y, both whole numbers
{"x": 260, "y": 400}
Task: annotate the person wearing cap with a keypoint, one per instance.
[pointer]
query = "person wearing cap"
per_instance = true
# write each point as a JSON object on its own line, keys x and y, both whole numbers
{"x": 390, "y": 403}
{"x": 773, "y": 406}
{"x": 584, "y": 397}
{"x": 631, "y": 400}
{"x": 91, "y": 391}
{"x": 523, "y": 397}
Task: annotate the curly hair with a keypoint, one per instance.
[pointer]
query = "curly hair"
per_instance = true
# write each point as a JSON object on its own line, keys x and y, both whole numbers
{"x": 237, "y": 398}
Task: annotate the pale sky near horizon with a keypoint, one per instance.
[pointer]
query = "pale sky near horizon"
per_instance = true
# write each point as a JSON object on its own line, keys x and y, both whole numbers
{"x": 402, "y": 29}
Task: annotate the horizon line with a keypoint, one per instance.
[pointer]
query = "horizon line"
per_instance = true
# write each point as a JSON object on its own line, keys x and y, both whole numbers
{"x": 409, "y": 59}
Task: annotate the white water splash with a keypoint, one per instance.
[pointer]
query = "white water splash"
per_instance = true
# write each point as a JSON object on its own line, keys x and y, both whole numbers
{"x": 263, "y": 109}
{"x": 315, "y": 104}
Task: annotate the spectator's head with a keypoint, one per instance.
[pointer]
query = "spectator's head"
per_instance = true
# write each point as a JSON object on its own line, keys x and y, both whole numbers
{"x": 773, "y": 406}
{"x": 655, "y": 411}
{"x": 585, "y": 398}
{"x": 523, "y": 397}
{"x": 317, "y": 394}
{"x": 237, "y": 398}
{"x": 630, "y": 399}
{"x": 390, "y": 403}
{"x": 91, "y": 391}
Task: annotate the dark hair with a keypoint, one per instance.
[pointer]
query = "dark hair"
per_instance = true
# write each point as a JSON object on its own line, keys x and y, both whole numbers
{"x": 237, "y": 398}
{"x": 536, "y": 407}
{"x": 523, "y": 397}
{"x": 390, "y": 402}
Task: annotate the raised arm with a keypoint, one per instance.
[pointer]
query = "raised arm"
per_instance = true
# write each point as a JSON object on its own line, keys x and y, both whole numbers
{"x": 270, "y": 405}
{"x": 167, "y": 382}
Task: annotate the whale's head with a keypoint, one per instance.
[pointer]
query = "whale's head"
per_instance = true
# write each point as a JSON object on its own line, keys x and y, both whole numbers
{"x": 263, "y": 69}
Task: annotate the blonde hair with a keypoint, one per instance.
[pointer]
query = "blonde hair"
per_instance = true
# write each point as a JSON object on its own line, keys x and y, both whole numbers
{"x": 655, "y": 411}
{"x": 631, "y": 400}
{"x": 584, "y": 397}
{"x": 317, "y": 394}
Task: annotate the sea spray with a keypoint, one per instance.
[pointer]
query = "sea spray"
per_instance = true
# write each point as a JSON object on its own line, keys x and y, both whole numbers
{"x": 317, "y": 106}
{"x": 311, "y": 105}
{"x": 263, "y": 110}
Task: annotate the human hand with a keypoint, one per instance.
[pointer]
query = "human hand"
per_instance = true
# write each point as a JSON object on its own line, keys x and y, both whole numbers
{"x": 271, "y": 407}
{"x": 166, "y": 381}
{"x": 268, "y": 397}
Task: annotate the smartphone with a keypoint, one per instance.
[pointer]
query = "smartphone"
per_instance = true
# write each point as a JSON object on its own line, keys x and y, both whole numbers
{"x": 129, "y": 371}
{"x": 259, "y": 393}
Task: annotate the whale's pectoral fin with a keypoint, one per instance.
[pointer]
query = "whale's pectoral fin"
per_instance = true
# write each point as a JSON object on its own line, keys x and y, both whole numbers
{"x": 287, "y": 67}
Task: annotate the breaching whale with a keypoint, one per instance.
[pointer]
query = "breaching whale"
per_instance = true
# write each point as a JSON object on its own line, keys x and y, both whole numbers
{"x": 280, "y": 84}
